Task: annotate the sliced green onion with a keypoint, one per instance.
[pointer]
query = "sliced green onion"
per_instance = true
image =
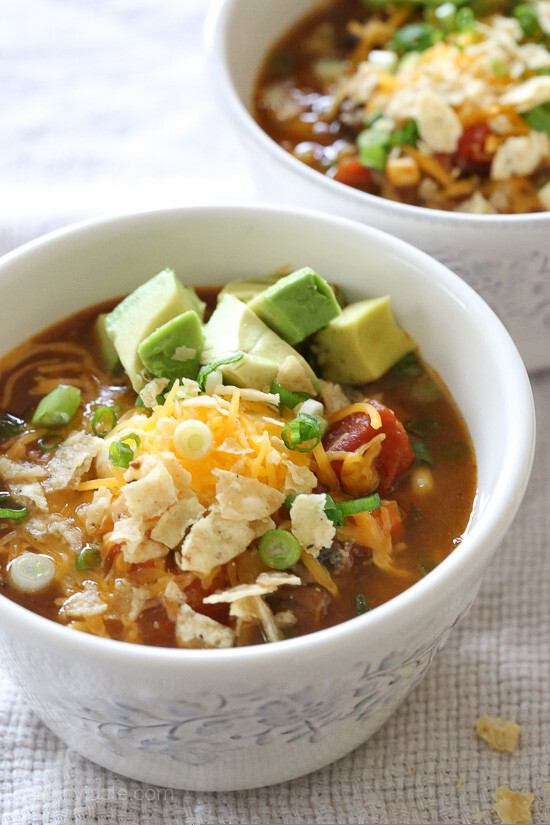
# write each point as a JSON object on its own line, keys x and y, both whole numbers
{"x": 88, "y": 558}
{"x": 425, "y": 391}
{"x": 373, "y": 145}
{"x": 422, "y": 427}
{"x": 279, "y": 549}
{"x": 58, "y": 407}
{"x": 370, "y": 120}
{"x": 312, "y": 407}
{"x": 445, "y": 16}
{"x": 425, "y": 565}
{"x": 415, "y": 512}
{"x": 139, "y": 403}
{"x": 409, "y": 366}
{"x": 499, "y": 68}
{"x": 361, "y": 605}
{"x": 192, "y": 439}
{"x": 282, "y": 62}
{"x": 414, "y": 37}
{"x": 287, "y": 398}
{"x": 337, "y": 511}
{"x": 455, "y": 450}
{"x": 121, "y": 453}
{"x": 304, "y": 432}
{"x": 31, "y": 572}
{"x": 49, "y": 442}
{"x": 421, "y": 452}
{"x": 538, "y": 118}
{"x": 360, "y": 505}
{"x": 465, "y": 19}
{"x": 10, "y": 425}
{"x": 383, "y": 59}
{"x": 205, "y": 371}
{"x": 289, "y": 500}
{"x": 406, "y": 135}
{"x": 14, "y": 513}
{"x": 104, "y": 420}
{"x": 528, "y": 19}
{"x": 12, "y": 509}
{"x": 334, "y": 512}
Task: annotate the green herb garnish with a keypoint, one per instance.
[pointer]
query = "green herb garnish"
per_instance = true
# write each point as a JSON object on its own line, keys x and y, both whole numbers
{"x": 11, "y": 509}
{"x": 361, "y": 605}
{"x": 10, "y": 425}
{"x": 288, "y": 399}
{"x": 538, "y": 118}
{"x": 304, "y": 432}
{"x": 422, "y": 427}
{"x": 58, "y": 407}
{"x": 88, "y": 558}
{"x": 49, "y": 442}
{"x": 425, "y": 565}
{"x": 205, "y": 371}
{"x": 421, "y": 452}
{"x": 279, "y": 549}
{"x": 121, "y": 453}
{"x": 104, "y": 420}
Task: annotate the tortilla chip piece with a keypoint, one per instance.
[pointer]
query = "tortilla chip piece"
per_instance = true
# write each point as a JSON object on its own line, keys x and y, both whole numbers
{"x": 513, "y": 808}
{"x": 500, "y": 734}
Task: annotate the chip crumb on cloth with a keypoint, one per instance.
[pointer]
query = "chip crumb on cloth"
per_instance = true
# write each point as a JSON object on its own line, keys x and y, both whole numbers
{"x": 499, "y": 734}
{"x": 513, "y": 808}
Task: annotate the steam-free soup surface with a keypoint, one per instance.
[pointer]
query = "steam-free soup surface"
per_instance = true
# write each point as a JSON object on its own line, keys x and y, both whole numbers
{"x": 440, "y": 105}
{"x": 75, "y": 509}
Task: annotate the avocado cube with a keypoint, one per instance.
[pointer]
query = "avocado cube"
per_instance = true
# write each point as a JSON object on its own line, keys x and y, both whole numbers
{"x": 297, "y": 305}
{"x": 233, "y": 327}
{"x": 108, "y": 353}
{"x": 362, "y": 343}
{"x": 247, "y": 288}
{"x": 146, "y": 308}
{"x": 173, "y": 350}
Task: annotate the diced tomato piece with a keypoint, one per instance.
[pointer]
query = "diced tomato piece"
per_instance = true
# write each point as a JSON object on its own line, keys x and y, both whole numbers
{"x": 471, "y": 144}
{"x": 195, "y": 593}
{"x": 141, "y": 565}
{"x": 352, "y": 173}
{"x": 110, "y": 557}
{"x": 350, "y": 433}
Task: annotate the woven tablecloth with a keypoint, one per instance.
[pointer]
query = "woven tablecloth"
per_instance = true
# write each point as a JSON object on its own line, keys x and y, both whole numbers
{"x": 106, "y": 107}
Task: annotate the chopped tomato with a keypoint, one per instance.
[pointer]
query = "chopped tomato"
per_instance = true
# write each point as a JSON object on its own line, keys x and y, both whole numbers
{"x": 352, "y": 173}
{"x": 141, "y": 565}
{"x": 471, "y": 145}
{"x": 110, "y": 557}
{"x": 350, "y": 433}
{"x": 195, "y": 593}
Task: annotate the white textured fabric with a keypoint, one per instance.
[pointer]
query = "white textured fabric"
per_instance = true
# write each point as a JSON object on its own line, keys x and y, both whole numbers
{"x": 106, "y": 107}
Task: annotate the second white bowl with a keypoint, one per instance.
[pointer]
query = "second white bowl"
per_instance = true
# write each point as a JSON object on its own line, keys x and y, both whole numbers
{"x": 506, "y": 258}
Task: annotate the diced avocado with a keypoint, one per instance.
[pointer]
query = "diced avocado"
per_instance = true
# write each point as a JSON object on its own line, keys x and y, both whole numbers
{"x": 149, "y": 306}
{"x": 233, "y": 327}
{"x": 109, "y": 355}
{"x": 247, "y": 288}
{"x": 173, "y": 350}
{"x": 297, "y": 305}
{"x": 362, "y": 343}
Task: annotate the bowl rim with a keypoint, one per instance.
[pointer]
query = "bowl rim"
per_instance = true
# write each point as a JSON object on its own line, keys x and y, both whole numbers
{"x": 217, "y": 23}
{"x": 477, "y": 547}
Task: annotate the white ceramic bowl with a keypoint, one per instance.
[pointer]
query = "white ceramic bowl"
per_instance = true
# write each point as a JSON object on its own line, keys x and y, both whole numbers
{"x": 506, "y": 258}
{"x": 240, "y": 718}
